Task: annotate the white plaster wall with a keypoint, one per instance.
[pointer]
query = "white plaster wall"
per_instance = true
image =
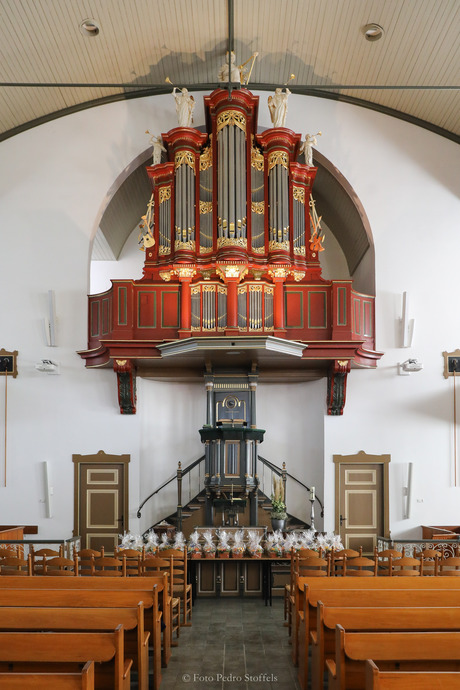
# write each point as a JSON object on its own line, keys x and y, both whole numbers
{"x": 54, "y": 186}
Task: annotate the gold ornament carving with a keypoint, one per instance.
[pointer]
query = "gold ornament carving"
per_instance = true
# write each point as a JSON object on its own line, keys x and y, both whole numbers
{"x": 257, "y": 273}
{"x": 231, "y": 117}
{"x": 164, "y": 250}
{"x": 184, "y": 157}
{"x": 187, "y": 246}
{"x": 185, "y": 272}
{"x": 298, "y": 275}
{"x": 206, "y": 273}
{"x": 208, "y": 288}
{"x": 279, "y": 272}
{"x": 299, "y": 194}
{"x": 257, "y": 159}
{"x": 164, "y": 194}
{"x": 232, "y": 271}
{"x": 274, "y": 246}
{"x": 205, "y": 207}
{"x": 255, "y": 288}
{"x": 278, "y": 158}
{"x": 205, "y": 250}
{"x": 258, "y": 250}
{"x": 206, "y": 158}
{"x": 299, "y": 251}
{"x": 166, "y": 275}
{"x": 232, "y": 242}
{"x": 195, "y": 290}
{"x": 258, "y": 207}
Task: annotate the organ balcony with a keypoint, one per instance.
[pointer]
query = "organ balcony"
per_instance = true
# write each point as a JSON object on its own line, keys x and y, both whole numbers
{"x": 232, "y": 273}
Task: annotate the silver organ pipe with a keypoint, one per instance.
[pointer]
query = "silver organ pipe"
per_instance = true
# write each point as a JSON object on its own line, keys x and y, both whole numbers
{"x": 231, "y": 181}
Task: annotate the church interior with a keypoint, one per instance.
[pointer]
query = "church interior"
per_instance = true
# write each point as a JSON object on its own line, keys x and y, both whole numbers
{"x": 218, "y": 300}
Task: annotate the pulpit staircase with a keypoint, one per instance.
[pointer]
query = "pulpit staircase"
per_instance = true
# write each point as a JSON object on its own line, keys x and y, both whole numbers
{"x": 191, "y": 514}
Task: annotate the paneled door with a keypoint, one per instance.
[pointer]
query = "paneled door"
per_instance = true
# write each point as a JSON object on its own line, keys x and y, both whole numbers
{"x": 361, "y": 499}
{"x": 101, "y": 499}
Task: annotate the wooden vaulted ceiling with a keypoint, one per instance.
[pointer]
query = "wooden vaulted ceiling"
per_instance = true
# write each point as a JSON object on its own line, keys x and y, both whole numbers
{"x": 49, "y": 68}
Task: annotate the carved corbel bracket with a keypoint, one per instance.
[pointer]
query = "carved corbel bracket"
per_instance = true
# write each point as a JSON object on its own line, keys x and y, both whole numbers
{"x": 337, "y": 386}
{"x": 126, "y": 379}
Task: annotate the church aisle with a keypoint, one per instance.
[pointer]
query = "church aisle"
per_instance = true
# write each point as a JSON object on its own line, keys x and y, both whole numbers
{"x": 233, "y": 644}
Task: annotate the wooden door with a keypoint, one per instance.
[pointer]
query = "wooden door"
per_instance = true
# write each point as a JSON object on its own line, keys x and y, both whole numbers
{"x": 101, "y": 499}
{"x": 362, "y": 500}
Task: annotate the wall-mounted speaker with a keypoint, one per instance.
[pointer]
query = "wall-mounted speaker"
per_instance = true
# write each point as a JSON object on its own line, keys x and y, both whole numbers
{"x": 48, "y": 489}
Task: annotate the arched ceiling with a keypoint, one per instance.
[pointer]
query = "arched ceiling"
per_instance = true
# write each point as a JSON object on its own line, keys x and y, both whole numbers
{"x": 49, "y": 68}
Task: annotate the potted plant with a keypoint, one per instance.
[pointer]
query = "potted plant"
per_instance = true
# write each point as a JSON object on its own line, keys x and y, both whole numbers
{"x": 278, "y": 512}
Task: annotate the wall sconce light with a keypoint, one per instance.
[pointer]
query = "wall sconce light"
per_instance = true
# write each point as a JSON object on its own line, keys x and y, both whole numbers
{"x": 409, "y": 366}
{"x": 48, "y": 366}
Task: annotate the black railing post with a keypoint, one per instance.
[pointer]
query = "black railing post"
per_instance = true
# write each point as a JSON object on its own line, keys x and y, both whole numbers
{"x": 179, "y": 496}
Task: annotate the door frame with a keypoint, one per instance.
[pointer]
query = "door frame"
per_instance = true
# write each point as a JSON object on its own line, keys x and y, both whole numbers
{"x": 362, "y": 458}
{"x": 99, "y": 458}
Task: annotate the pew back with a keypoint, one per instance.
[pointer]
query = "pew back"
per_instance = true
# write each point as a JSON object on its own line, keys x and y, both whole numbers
{"x": 83, "y": 680}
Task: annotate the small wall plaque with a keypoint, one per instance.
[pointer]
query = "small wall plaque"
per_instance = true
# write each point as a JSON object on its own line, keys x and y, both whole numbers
{"x": 451, "y": 363}
{"x": 8, "y": 364}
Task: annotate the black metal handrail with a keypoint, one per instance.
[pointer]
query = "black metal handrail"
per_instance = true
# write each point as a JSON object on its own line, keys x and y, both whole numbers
{"x": 188, "y": 469}
{"x": 279, "y": 472}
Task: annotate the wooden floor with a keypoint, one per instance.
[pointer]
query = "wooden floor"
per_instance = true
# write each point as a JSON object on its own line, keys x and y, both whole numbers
{"x": 233, "y": 644}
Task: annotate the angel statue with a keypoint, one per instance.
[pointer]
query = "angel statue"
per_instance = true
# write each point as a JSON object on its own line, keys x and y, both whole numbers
{"x": 158, "y": 148}
{"x": 307, "y": 147}
{"x": 277, "y": 106}
{"x": 185, "y": 104}
{"x": 235, "y": 72}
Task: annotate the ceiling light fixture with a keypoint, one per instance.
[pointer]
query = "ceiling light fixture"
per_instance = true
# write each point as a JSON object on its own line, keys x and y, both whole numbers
{"x": 88, "y": 27}
{"x": 373, "y": 32}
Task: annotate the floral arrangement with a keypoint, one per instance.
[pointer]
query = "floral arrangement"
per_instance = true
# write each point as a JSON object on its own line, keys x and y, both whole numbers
{"x": 223, "y": 545}
{"x": 209, "y": 548}
{"x": 194, "y": 547}
{"x": 238, "y": 547}
{"x": 278, "y": 505}
{"x": 254, "y": 548}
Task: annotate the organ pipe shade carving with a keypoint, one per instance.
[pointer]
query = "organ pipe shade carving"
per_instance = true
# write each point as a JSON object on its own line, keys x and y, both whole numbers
{"x": 231, "y": 175}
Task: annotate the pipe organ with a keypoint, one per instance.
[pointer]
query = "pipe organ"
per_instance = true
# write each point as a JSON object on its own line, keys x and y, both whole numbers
{"x": 230, "y": 252}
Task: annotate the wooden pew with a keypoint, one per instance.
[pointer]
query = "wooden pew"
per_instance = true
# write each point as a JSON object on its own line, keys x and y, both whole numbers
{"x": 83, "y": 680}
{"x": 20, "y": 651}
{"x": 309, "y": 591}
{"x": 322, "y": 639}
{"x": 410, "y": 680}
{"x": 118, "y": 584}
{"x": 84, "y": 599}
{"x": 342, "y": 585}
{"x": 89, "y": 619}
{"x": 411, "y": 651}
